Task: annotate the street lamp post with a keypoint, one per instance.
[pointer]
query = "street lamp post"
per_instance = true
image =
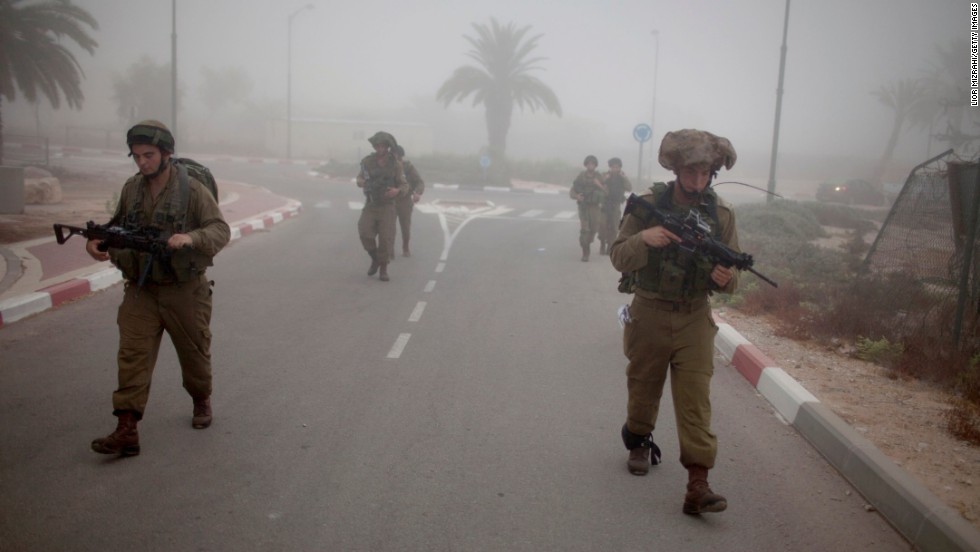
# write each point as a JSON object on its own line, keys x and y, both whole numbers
{"x": 779, "y": 108}
{"x": 173, "y": 68}
{"x": 289, "y": 80}
{"x": 653, "y": 111}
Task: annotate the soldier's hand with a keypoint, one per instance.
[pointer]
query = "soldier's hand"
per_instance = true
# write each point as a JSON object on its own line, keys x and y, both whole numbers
{"x": 416, "y": 198}
{"x": 91, "y": 247}
{"x": 392, "y": 192}
{"x": 659, "y": 237}
{"x": 579, "y": 197}
{"x": 179, "y": 241}
{"x": 721, "y": 275}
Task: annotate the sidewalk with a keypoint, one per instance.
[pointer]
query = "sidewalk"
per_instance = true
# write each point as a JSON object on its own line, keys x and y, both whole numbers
{"x": 39, "y": 274}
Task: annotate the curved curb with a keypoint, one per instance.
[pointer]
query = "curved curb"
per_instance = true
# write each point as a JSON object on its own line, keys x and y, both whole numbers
{"x": 22, "y": 306}
{"x": 923, "y": 519}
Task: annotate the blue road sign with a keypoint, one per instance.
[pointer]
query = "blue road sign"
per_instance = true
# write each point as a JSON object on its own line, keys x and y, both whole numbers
{"x": 642, "y": 132}
{"x": 484, "y": 161}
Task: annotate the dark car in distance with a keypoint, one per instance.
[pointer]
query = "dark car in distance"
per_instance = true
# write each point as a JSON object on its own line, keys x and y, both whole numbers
{"x": 854, "y": 191}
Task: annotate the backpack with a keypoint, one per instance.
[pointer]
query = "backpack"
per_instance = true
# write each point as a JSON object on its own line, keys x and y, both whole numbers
{"x": 188, "y": 167}
{"x": 176, "y": 210}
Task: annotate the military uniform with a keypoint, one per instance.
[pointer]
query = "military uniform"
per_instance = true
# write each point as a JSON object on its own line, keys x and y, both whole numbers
{"x": 176, "y": 296}
{"x": 589, "y": 210}
{"x": 376, "y": 226}
{"x": 669, "y": 327}
{"x": 616, "y": 187}
{"x": 404, "y": 205}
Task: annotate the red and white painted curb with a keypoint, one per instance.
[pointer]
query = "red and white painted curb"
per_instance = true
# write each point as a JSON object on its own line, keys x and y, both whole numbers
{"x": 22, "y": 306}
{"x": 927, "y": 522}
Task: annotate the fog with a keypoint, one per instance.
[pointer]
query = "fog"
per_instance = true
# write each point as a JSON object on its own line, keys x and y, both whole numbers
{"x": 383, "y": 60}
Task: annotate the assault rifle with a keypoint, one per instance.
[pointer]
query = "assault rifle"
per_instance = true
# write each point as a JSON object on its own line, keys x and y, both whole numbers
{"x": 695, "y": 235}
{"x": 148, "y": 240}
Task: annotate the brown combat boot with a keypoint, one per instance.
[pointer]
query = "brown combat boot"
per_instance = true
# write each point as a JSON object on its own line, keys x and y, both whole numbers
{"x": 374, "y": 263}
{"x": 700, "y": 498}
{"x": 639, "y": 462}
{"x": 384, "y": 272}
{"x": 124, "y": 441}
{"x": 202, "y": 413}
{"x": 585, "y": 253}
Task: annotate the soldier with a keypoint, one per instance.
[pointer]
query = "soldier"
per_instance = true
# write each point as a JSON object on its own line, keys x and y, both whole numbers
{"x": 383, "y": 179}
{"x": 404, "y": 204}
{"x": 616, "y": 187}
{"x": 176, "y": 295}
{"x": 669, "y": 327}
{"x": 588, "y": 190}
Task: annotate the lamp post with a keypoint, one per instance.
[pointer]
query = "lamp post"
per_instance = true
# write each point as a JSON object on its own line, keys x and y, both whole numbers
{"x": 173, "y": 68}
{"x": 779, "y": 108}
{"x": 289, "y": 80}
{"x": 653, "y": 111}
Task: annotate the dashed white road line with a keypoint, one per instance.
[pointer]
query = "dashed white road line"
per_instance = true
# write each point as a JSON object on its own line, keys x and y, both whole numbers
{"x": 417, "y": 312}
{"x": 430, "y": 286}
{"x": 565, "y": 215}
{"x": 399, "y": 346}
{"x": 440, "y": 267}
{"x": 532, "y": 213}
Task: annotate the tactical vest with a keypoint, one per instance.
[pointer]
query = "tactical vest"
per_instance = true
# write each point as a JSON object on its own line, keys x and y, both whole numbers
{"x": 591, "y": 194}
{"x": 670, "y": 272}
{"x": 181, "y": 265}
{"x": 378, "y": 180}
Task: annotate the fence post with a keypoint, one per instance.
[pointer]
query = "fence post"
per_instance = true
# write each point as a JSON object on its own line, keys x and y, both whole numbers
{"x": 968, "y": 247}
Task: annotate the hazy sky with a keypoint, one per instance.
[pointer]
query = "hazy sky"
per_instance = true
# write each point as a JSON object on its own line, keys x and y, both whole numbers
{"x": 718, "y": 60}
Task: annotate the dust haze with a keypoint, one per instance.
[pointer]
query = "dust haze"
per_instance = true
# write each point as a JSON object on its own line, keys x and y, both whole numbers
{"x": 715, "y": 65}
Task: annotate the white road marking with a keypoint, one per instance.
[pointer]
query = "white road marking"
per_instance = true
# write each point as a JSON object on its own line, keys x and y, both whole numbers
{"x": 440, "y": 267}
{"x": 532, "y": 213}
{"x": 323, "y": 204}
{"x": 399, "y": 346}
{"x": 430, "y": 286}
{"x": 355, "y": 205}
{"x": 417, "y": 312}
{"x": 565, "y": 214}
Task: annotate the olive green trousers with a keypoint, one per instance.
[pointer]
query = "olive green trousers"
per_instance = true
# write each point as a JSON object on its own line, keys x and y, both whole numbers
{"x": 376, "y": 227}
{"x": 589, "y": 216}
{"x": 184, "y": 312}
{"x": 403, "y": 212}
{"x": 659, "y": 340}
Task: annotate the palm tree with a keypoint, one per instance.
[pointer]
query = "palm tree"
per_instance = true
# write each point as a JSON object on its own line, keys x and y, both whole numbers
{"x": 903, "y": 97}
{"x": 501, "y": 80}
{"x": 31, "y": 57}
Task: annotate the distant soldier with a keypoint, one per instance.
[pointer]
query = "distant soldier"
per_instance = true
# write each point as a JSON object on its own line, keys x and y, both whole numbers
{"x": 669, "y": 328}
{"x": 382, "y": 178}
{"x": 612, "y": 206}
{"x": 404, "y": 204}
{"x": 589, "y": 191}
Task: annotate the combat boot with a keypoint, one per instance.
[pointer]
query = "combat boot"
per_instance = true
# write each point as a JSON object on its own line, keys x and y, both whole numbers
{"x": 602, "y": 248}
{"x": 700, "y": 498}
{"x": 384, "y": 272}
{"x": 124, "y": 441}
{"x": 585, "y": 253}
{"x": 202, "y": 413}
{"x": 639, "y": 462}
{"x": 374, "y": 263}
{"x": 405, "y": 251}
{"x": 643, "y": 451}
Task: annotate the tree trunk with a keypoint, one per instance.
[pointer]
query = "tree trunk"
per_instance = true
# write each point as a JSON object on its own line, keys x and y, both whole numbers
{"x": 1, "y": 130}
{"x": 886, "y": 156}
{"x": 498, "y": 114}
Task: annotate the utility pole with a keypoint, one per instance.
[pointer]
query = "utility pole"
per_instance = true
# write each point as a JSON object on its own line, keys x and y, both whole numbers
{"x": 779, "y": 107}
{"x": 289, "y": 80}
{"x": 173, "y": 69}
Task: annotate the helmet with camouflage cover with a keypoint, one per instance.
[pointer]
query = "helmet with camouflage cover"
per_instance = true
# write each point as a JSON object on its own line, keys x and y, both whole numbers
{"x": 151, "y": 132}
{"x": 382, "y": 137}
{"x": 682, "y": 148}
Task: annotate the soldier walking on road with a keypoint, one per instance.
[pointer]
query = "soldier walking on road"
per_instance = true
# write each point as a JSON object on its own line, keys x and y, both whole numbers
{"x": 588, "y": 190}
{"x": 616, "y": 187}
{"x": 405, "y": 204}
{"x": 669, "y": 328}
{"x": 176, "y": 295}
{"x": 383, "y": 179}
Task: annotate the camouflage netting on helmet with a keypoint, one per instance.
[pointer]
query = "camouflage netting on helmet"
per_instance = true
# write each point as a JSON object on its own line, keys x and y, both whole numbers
{"x": 151, "y": 132}
{"x": 382, "y": 137}
{"x": 682, "y": 148}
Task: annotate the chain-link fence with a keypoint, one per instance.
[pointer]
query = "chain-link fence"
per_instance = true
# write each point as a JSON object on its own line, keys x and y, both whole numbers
{"x": 21, "y": 150}
{"x": 930, "y": 238}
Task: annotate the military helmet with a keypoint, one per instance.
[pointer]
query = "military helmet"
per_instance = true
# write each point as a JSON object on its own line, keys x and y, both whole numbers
{"x": 591, "y": 159}
{"x": 382, "y": 137}
{"x": 399, "y": 151}
{"x": 615, "y": 161}
{"x": 151, "y": 132}
{"x": 682, "y": 148}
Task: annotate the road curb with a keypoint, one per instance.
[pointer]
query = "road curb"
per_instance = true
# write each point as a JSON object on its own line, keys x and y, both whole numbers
{"x": 22, "y": 306}
{"x": 928, "y": 523}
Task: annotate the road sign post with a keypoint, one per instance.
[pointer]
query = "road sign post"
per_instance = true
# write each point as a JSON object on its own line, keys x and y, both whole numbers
{"x": 641, "y": 133}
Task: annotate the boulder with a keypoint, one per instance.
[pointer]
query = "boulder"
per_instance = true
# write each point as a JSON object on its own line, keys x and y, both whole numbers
{"x": 41, "y": 191}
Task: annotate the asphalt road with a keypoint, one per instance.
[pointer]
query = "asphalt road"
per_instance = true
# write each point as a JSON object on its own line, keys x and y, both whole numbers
{"x": 472, "y": 403}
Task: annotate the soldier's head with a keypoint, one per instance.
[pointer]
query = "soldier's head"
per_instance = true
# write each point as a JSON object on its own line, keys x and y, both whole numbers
{"x": 615, "y": 165}
{"x": 150, "y": 145}
{"x": 399, "y": 152}
{"x": 383, "y": 142}
{"x": 695, "y": 156}
{"x": 591, "y": 162}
